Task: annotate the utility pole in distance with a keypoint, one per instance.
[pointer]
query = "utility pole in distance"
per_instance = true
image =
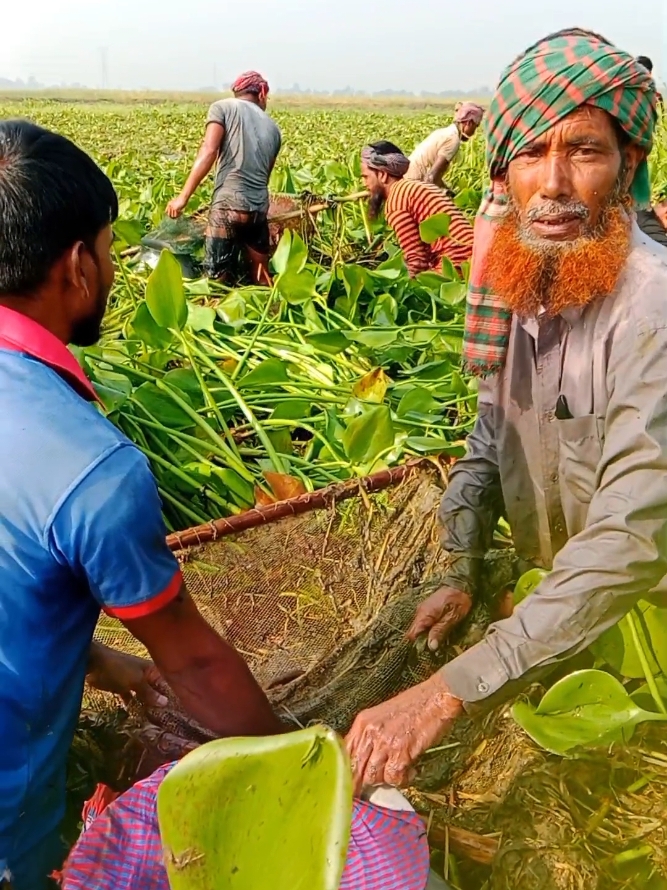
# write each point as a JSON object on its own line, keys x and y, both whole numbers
{"x": 104, "y": 67}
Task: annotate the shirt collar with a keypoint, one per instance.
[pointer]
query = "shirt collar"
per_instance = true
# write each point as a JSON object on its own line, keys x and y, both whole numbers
{"x": 21, "y": 334}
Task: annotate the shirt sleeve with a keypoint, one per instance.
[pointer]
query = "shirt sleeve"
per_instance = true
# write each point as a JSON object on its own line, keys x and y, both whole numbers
{"x": 409, "y": 239}
{"x": 216, "y": 114}
{"x": 109, "y": 530}
{"x": 473, "y": 501}
{"x": 618, "y": 557}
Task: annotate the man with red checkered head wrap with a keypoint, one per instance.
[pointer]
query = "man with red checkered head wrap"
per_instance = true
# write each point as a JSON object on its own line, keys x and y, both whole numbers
{"x": 244, "y": 141}
{"x": 567, "y": 331}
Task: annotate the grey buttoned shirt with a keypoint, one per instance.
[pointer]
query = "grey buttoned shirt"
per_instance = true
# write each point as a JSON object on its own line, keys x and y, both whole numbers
{"x": 586, "y": 494}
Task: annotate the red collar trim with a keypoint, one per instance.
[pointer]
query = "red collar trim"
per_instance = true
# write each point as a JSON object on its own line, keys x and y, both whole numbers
{"x": 21, "y": 334}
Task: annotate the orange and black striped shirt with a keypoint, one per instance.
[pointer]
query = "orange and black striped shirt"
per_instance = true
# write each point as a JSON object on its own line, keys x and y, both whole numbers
{"x": 410, "y": 202}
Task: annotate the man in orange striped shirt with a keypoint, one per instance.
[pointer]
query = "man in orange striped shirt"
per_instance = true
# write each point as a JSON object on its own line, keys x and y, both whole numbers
{"x": 408, "y": 203}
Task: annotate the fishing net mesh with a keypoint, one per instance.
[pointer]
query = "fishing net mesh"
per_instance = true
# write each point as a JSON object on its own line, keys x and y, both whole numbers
{"x": 318, "y": 603}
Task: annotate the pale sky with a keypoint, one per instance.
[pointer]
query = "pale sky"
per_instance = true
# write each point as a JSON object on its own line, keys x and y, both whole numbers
{"x": 320, "y": 44}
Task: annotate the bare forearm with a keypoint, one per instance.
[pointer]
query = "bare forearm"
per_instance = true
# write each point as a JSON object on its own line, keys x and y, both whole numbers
{"x": 200, "y": 170}
{"x": 219, "y": 691}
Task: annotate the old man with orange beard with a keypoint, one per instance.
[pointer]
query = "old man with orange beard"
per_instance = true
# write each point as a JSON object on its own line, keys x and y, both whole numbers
{"x": 567, "y": 330}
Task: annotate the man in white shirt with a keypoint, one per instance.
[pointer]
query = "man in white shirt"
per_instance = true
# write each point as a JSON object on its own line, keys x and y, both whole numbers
{"x": 432, "y": 157}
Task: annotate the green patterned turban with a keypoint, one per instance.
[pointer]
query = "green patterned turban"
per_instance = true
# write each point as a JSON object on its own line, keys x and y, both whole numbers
{"x": 555, "y": 77}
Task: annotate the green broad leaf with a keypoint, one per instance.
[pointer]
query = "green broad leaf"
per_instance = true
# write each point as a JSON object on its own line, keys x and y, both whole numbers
{"x": 186, "y": 381}
{"x": 431, "y": 371}
{"x": 131, "y": 231}
{"x": 292, "y": 409}
{"x": 112, "y": 388}
{"x": 453, "y": 293}
{"x": 297, "y": 287}
{"x": 165, "y": 296}
{"x": 579, "y": 711}
{"x": 385, "y": 310}
{"x": 162, "y": 407}
{"x": 259, "y": 812}
{"x": 201, "y": 318}
{"x": 527, "y": 583}
{"x": 616, "y": 646}
{"x": 644, "y": 698}
{"x": 281, "y": 440}
{"x": 335, "y": 170}
{"x": 436, "y": 226}
{"x": 448, "y": 270}
{"x": 331, "y": 342}
{"x": 435, "y": 445}
{"x": 291, "y": 255}
{"x": 368, "y": 435}
{"x": 198, "y": 288}
{"x": 268, "y": 372}
{"x": 373, "y": 339}
{"x": 418, "y": 401}
{"x": 429, "y": 280}
{"x": 232, "y": 310}
{"x": 143, "y": 327}
{"x": 237, "y": 486}
{"x": 354, "y": 281}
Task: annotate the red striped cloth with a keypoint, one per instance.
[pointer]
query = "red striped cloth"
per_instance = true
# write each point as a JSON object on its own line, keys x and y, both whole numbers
{"x": 409, "y": 204}
{"x": 121, "y": 847}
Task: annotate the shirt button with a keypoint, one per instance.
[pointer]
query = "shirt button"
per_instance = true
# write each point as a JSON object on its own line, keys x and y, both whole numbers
{"x": 483, "y": 687}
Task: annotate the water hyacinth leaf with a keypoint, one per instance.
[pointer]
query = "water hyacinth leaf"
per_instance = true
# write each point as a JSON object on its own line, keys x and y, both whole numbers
{"x": 162, "y": 407}
{"x": 430, "y": 371}
{"x": 198, "y": 288}
{"x": 291, "y": 254}
{"x": 368, "y": 435}
{"x": 271, "y": 370}
{"x": 165, "y": 296}
{"x": 331, "y": 342}
{"x": 281, "y": 441}
{"x": 527, "y": 583}
{"x": 292, "y": 409}
{"x": 130, "y": 231}
{"x": 201, "y": 318}
{"x": 354, "y": 281}
{"x": 232, "y": 310}
{"x": 579, "y": 711}
{"x": 112, "y": 388}
{"x": 435, "y": 445}
{"x": 372, "y": 387}
{"x": 436, "y": 226}
{"x": 372, "y": 339}
{"x": 284, "y": 486}
{"x": 297, "y": 287}
{"x": 385, "y": 310}
{"x": 238, "y": 487}
{"x": 616, "y": 646}
{"x": 448, "y": 270}
{"x": 271, "y": 812}
{"x": 186, "y": 380}
{"x": 453, "y": 292}
{"x": 418, "y": 401}
{"x": 143, "y": 327}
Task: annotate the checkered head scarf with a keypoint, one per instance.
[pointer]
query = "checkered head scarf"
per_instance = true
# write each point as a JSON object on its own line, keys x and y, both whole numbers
{"x": 250, "y": 82}
{"x": 544, "y": 85}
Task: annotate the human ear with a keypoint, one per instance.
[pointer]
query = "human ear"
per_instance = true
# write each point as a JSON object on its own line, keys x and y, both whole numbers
{"x": 633, "y": 156}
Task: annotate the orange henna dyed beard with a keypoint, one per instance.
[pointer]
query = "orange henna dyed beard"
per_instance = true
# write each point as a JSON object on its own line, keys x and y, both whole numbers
{"x": 528, "y": 276}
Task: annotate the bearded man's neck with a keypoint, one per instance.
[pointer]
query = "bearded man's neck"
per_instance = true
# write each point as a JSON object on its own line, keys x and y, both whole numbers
{"x": 529, "y": 277}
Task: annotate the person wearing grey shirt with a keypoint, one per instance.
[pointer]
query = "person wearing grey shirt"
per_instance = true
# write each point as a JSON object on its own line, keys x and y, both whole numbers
{"x": 567, "y": 326}
{"x": 245, "y": 142}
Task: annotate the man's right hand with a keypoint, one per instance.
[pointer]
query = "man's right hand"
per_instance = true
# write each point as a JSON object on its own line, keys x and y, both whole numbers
{"x": 176, "y": 206}
{"x": 439, "y": 615}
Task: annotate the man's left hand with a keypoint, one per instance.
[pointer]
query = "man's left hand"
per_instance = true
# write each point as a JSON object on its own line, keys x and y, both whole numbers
{"x": 387, "y": 740}
{"x": 125, "y": 675}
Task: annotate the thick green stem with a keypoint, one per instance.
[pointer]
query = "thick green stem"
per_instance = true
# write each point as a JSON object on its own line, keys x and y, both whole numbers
{"x": 644, "y": 661}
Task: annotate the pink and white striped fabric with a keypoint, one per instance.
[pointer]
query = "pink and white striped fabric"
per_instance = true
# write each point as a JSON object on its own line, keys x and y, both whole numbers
{"x": 121, "y": 847}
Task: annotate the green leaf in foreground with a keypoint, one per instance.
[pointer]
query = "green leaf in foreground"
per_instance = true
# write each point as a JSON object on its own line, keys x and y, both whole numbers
{"x": 143, "y": 327}
{"x": 579, "y": 711}
{"x": 244, "y": 813}
{"x": 368, "y": 435}
{"x": 436, "y": 226}
{"x": 165, "y": 296}
{"x": 271, "y": 370}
